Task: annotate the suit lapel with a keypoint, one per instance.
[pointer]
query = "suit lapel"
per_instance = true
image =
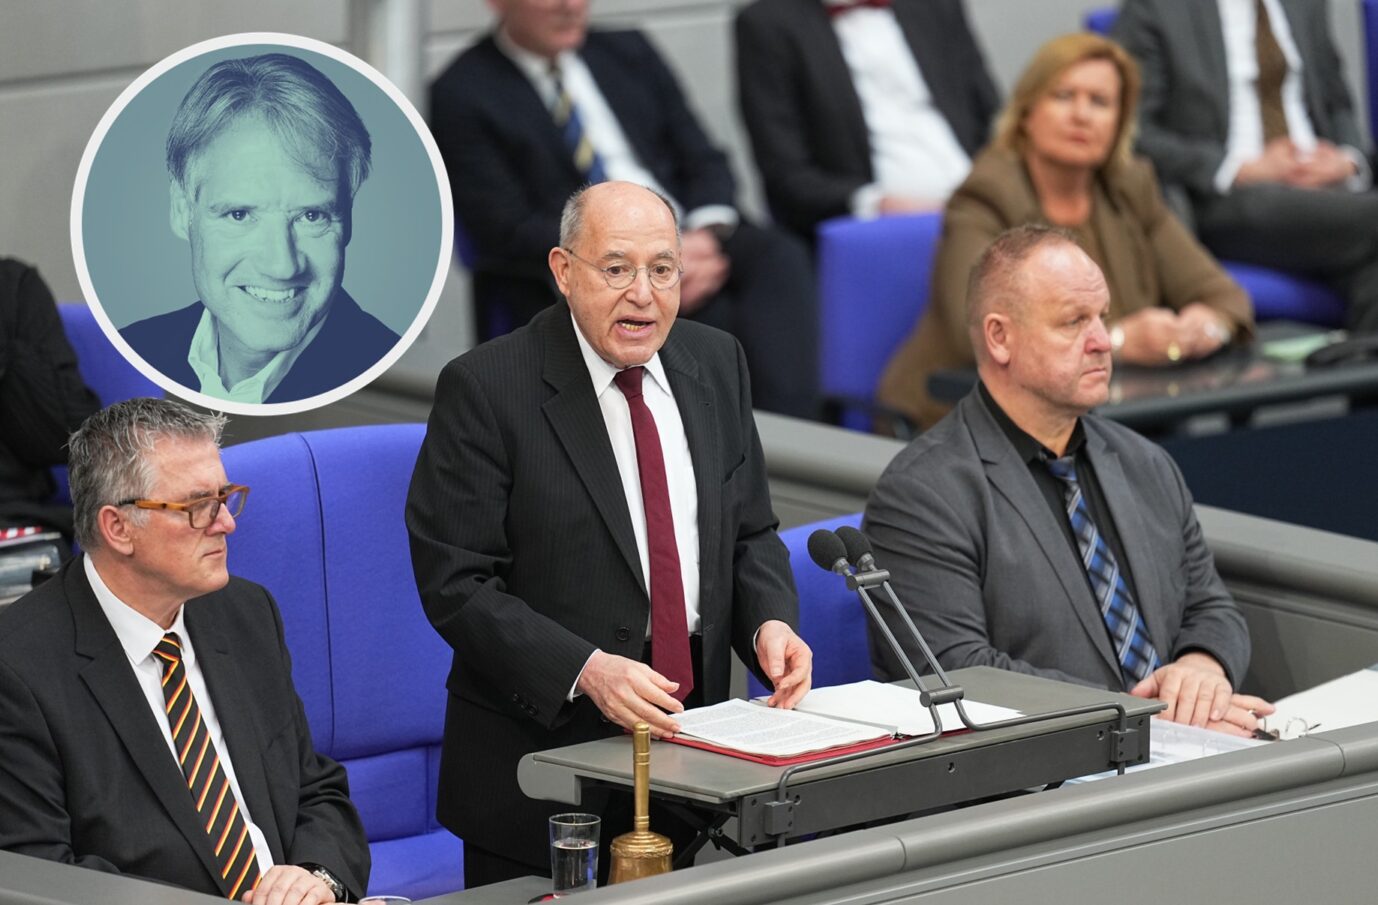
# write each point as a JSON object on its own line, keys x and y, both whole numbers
{"x": 1010, "y": 477}
{"x": 522, "y": 106}
{"x": 1209, "y": 35}
{"x": 234, "y": 710}
{"x": 824, "y": 54}
{"x": 695, "y": 401}
{"x": 1134, "y": 541}
{"x": 111, "y": 681}
{"x": 577, "y": 420}
{"x": 926, "y": 43}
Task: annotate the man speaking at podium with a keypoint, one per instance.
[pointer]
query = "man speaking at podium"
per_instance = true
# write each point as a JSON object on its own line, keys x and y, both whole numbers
{"x": 1023, "y": 533}
{"x": 591, "y": 528}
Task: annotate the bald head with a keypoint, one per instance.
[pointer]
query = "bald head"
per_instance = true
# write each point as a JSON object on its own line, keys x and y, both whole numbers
{"x": 1000, "y": 279}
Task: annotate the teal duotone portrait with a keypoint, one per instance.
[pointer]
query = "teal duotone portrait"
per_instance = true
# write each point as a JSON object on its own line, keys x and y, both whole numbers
{"x": 261, "y": 224}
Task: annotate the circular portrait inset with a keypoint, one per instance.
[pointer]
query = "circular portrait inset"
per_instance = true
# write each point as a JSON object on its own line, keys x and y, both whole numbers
{"x": 262, "y": 223}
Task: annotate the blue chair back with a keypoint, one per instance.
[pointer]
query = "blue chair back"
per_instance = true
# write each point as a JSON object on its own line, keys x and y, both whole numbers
{"x": 1278, "y": 295}
{"x": 831, "y": 618}
{"x": 325, "y": 534}
{"x": 873, "y": 281}
{"x": 102, "y": 368}
{"x": 1100, "y": 20}
{"x": 100, "y": 364}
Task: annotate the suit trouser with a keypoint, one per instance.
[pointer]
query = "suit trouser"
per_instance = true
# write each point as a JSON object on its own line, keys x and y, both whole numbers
{"x": 1328, "y": 234}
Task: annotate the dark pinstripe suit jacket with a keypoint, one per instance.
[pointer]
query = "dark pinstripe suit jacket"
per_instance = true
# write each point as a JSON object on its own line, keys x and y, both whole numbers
{"x": 526, "y": 562}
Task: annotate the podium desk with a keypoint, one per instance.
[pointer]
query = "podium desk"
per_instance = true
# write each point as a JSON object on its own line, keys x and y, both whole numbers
{"x": 953, "y": 769}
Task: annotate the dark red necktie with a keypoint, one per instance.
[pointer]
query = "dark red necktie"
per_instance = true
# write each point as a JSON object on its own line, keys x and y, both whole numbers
{"x": 837, "y": 9}
{"x": 669, "y": 624}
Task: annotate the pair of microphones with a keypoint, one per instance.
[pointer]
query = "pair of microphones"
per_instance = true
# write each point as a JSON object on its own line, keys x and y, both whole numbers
{"x": 848, "y": 553}
{"x": 845, "y": 551}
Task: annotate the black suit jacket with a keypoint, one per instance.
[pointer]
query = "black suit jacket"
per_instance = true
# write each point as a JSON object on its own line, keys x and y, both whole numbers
{"x": 86, "y": 777}
{"x": 350, "y": 342}
{"x": 42, "y": 399}
{"x": 1184, "y": 118}
{"x": 511, "y": 173}
{"x": 802, "y": 111}
{"x": 526, "y": 560}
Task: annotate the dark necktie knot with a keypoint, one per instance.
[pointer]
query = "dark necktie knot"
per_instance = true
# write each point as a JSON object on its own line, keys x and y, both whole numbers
{"x": 629, "y": 381}
{"x": 1064, "y": 469}
{"x": 169, "y": 650}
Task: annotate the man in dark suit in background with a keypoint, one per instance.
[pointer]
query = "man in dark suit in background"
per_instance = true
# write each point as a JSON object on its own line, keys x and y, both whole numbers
{"x": 1026, "y": 534}
{"x": 42, "y": 400}
{"x": 265, "y": 156}
{"x": 591, "y": 528}
{"x": 542, "y": 106}
{"x": 1245, "y": 105}
{"x": 148, "y": 722}
{"x": 861, "y": 108}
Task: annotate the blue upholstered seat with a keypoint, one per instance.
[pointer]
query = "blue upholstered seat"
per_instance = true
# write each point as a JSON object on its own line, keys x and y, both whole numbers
{"x": 831, "y": 618}
{"x": 324, "y": 533}
{"x": 873, "y": 278}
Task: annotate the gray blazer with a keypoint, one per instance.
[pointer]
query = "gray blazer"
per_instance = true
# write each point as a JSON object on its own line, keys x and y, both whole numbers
{"x": 989, "y": 577}
{"x": 1184, "y": 118}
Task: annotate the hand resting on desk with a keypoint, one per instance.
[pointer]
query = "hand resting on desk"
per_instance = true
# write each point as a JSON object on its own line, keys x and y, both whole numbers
{"x": 1197, "y": 693}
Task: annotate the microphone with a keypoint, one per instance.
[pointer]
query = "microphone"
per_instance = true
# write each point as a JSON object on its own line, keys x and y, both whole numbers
{"x": 858, "y": 548}
{"x": 828, "y": 552}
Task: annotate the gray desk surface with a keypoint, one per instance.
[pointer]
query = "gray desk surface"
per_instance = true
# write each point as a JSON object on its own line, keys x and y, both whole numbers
{"x": 1234, "y": 382}
{"x": 510, "y": 892}
{"x": 719, "y": 782}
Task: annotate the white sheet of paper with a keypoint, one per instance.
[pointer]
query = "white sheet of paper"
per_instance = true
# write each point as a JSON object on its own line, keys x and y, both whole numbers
{"x": 750, "y": 728}
{"x": 1347, "y": 701}
{"x": 1176, "y": 743}
{"x": 893, "y": 707}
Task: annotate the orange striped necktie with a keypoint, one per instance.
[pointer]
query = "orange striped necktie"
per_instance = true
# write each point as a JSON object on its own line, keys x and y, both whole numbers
{"x": 210, "y": 787}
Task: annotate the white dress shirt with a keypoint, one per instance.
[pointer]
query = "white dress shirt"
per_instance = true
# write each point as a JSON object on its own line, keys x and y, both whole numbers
{"x": 679, "y": 469}
{"x": 604, "y": 132}
{"x": 139, "y": 635}
{"x": 1239, "y": 21}
{"x": 914, "y": 152}
{"x": 204, "y": 358}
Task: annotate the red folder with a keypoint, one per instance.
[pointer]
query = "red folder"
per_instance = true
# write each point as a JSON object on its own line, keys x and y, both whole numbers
{"x": 773, "y": 761}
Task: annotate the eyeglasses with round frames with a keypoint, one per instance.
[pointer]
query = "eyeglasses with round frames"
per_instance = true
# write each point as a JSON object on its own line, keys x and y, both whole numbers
{"x": 202, "y": 511}
{"x": 662, "y": 274}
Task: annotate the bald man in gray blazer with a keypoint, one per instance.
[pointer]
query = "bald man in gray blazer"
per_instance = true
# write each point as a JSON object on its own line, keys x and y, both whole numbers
{"x": 975, "y": 527}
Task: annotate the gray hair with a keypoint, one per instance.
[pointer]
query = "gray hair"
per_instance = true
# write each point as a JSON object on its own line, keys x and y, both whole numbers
{"x": 309, "y": 115}
{"x": 572, "y": 217}
{"x": 109, "y": 457}
{"x": 997, "y": 278}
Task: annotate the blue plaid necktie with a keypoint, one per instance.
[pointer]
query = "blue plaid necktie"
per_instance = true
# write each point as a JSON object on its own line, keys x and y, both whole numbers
{"x": 1133, "y": 648}
{"x": 571, "y": 126}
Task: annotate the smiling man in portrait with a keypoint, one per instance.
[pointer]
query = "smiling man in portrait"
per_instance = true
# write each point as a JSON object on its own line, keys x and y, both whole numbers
{"x": 265, "y": 156}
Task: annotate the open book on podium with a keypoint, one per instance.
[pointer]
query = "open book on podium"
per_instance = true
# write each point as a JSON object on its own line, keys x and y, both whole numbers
{"x": 829, "y": 721}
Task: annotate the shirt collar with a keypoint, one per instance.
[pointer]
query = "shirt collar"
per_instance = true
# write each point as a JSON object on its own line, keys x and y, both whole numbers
{"x": 534, "y": 66}
{"x": 602, "y": 373}
{"x": 138, "y": 634}
{"x": 204, "y": 358}
{"x": 1028, "y": 449}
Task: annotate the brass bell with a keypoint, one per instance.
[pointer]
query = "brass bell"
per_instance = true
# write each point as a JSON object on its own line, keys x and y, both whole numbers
{"x": 640, "y": 853}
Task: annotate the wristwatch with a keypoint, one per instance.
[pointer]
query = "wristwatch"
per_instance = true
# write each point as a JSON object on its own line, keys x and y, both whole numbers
{"x": 337, "y": 889}
{"x": 1116, "y": 339}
